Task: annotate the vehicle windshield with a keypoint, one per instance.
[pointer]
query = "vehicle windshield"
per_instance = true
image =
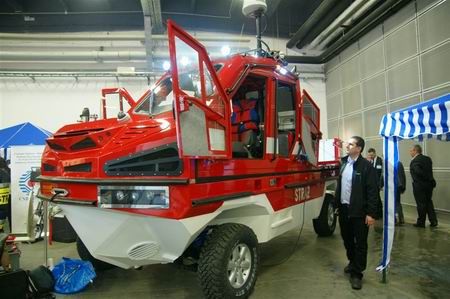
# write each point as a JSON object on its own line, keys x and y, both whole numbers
{"x": 161, "y": 97}
{"x": 159, "y": 100}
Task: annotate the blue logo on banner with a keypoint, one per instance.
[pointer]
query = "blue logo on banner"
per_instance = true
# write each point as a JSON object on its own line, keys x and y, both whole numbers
{"x": 24, "y": 182}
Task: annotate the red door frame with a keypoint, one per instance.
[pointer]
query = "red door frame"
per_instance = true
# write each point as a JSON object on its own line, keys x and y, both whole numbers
{"x": 182, "y": 100}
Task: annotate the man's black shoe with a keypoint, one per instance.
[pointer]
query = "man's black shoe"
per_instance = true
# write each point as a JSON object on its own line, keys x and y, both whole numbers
{"x": 356, "y": 283}
{"x": 419, "y": 225}
{"x": 434, "y": 224}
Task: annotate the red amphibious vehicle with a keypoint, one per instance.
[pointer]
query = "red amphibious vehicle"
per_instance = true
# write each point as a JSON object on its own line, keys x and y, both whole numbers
{"x": 216, "y": 158}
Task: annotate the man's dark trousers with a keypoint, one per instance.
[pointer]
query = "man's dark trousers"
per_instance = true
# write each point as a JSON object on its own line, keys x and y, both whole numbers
{"x": 424, "y": 205}
{"x": 354, "y": 232}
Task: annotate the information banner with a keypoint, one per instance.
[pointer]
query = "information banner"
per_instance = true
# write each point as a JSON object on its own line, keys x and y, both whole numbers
{"x": 23, "y": 158}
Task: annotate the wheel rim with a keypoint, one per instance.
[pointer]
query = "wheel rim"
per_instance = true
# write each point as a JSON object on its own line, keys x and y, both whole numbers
{"x": 330, "y": 215}
{"x": 239, "y": 265}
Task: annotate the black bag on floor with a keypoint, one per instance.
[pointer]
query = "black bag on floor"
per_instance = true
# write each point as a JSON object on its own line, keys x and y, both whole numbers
{"x": 41, "y": 282}
{"x": 14, "y": 284}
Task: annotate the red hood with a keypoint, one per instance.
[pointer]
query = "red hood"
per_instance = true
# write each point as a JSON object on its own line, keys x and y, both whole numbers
{"x": 79, "y": 150}
{"x": 89, "y": 135}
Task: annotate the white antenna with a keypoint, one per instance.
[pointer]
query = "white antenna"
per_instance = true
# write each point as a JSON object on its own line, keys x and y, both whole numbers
{"x": 255, "y": 9}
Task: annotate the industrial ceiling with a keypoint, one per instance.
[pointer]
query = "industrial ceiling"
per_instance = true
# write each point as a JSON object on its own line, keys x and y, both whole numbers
{"x": 316, "y": 29}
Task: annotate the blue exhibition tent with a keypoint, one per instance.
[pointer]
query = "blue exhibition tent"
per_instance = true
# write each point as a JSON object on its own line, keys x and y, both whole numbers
{"x": 22, "y": 134}
{"x": 427, "y": 120}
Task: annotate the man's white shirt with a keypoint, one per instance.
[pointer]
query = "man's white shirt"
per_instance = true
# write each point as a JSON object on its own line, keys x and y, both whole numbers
{"x": 346, "y": 181}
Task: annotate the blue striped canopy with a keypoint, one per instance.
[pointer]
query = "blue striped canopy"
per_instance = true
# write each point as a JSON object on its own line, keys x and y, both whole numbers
{"x": 22, "y": 134}
{"x": 429, "y": 119}
{"x": 425, "y": 120}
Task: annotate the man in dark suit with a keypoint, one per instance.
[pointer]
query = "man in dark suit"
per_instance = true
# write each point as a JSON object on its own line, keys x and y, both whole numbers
{"x": 377, "y": 163}
{"x": 357, "y": 195}
{"x": 421, "y": 168}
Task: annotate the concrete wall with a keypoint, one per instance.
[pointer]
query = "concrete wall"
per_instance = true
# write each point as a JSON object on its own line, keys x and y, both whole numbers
{"x": 401, "y": 62}
{"x": 52, "y": 102}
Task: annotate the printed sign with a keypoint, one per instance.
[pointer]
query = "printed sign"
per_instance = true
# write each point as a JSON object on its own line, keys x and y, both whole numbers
{"x": 23, "y": 158}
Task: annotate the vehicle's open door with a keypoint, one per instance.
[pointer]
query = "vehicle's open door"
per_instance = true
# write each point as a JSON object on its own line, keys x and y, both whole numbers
{"x": 202, "y": 109}
{"x": 310, "y": 127}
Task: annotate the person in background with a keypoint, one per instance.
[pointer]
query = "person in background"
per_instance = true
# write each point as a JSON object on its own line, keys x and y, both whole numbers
{"x": 421, "y": 168}
{"x": 6, "y": 174}
{"x": 401, "y": 187}
{"x": 5, "y": 198}
{"x": 377, "y": 163}
{"x": 357, "y": 195}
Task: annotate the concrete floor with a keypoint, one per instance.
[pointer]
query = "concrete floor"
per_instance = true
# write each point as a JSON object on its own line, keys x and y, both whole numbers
{"x": 420, "y": 268}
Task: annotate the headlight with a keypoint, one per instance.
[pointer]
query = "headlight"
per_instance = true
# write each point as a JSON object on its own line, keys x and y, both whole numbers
{"x": 135, "y": 196}
{"x": 120, "y": 196}
{"x": 141, "y": 197}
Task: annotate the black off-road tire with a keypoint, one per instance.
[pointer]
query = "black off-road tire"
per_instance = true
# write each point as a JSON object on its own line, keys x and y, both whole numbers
{"x": 217, "y": 255}
{"x": 325, "y": 224}
{"x": 84, "y": 254}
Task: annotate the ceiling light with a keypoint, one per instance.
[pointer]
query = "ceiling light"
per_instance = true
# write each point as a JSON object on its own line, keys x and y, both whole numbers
{"x": 166, "y": 65}
{"x": 225, "y": 50}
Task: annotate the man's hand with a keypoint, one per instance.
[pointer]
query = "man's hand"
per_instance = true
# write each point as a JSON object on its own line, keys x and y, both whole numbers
{"x": 369, "y": 220}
